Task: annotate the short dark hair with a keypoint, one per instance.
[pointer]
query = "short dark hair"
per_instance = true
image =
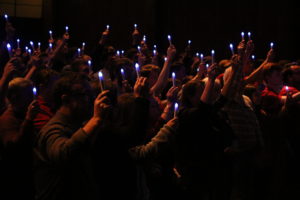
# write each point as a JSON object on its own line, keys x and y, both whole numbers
{"x": 77, "y": 63}
{"x": 65, "y": 86}
{"x": 272, "y": 67}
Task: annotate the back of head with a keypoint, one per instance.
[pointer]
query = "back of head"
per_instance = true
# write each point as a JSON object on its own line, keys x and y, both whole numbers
{"x": 189, "y": 90}
{"x": 271, "y": 68}
{"x": 65, "y": 86}
{"x": 20, "y": 93}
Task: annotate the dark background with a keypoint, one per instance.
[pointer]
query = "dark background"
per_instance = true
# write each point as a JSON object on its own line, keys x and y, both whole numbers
{"x": 211, "y": 24}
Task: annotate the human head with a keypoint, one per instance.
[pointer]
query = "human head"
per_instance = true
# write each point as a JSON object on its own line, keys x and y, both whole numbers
{"x": 73, "y": 92}
{"x": 191, "y": 93}
{"x": 272, "y": 74}
{"x": 20, "y": 94}
{"x": 151, "y": 72}
{"x": 80, "y": 65}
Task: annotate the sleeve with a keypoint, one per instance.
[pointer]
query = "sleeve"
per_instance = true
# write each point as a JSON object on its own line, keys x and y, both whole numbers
{"x": 161, "y": 142}
{"x": 57, "y": 147}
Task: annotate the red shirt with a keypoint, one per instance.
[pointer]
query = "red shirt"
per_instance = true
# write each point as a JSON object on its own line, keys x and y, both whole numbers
{"x": 44, "y": 115}
{"x": 270, "y": 101}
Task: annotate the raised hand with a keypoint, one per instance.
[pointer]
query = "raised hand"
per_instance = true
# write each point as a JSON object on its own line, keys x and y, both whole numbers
{"x": 213, "y": 71}
{"x": 140, "y": 87}
{"x": 171, "y": 52}
{"x": 101, "y": 105}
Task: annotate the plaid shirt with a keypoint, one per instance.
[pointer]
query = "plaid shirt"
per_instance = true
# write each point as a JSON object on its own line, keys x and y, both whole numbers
{"x": 242, "y": 117}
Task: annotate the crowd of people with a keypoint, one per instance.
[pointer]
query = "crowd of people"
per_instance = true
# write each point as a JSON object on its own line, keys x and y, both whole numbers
{"x": 141, "y": 124}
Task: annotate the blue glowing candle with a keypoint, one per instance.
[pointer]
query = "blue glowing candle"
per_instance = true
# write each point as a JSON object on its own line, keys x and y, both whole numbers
{"x": 173, "y": 78}
{"x": 123, "y": 73}
{"x": 170, "y": 39}
{"x": 34, "y": 90}
{"x": 175, "y": 109}
{"x": 137, "y": 70}
{"x": 100, "y": 76}
{"x": 18, "y": 43}
{"x": 231, "y": 48}
{"x": 212, "y": 56}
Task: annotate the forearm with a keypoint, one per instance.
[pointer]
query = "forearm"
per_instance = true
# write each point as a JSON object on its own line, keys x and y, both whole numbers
{"x": 256, "y": 74}
{"x": 30, "y": 72}
{"x": 206, "y": 95}
{"x": 161, "y": 142}
{"x": 162, "y": 79}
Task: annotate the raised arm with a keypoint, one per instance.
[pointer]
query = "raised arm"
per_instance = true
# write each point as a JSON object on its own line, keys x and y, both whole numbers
{"x": 258, "y": 73}
{"x": 164, "y": 74}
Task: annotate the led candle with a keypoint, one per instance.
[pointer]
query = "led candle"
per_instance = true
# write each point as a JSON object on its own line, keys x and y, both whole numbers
{"x": 18, "y": 43}
{"x": 107, "y": 27}
{"x": 197, "y": 54}
{"x": 212, "y": 56}
{"x": 123, "y": 73}
{"x": 139, "y": 49}
{"x": 29, "y": 51}
{"x": 201, "y": 57}
{"x": 39, "y": 45}
{"x": 8, "y": 46}
{"x": 135, "y": 26}
{"x": 175, "y": 109}
{"x": 79, "y": 52}
{"x": 100, "y": 76}
{"x": 26, "y": 49}
{"x": 122, "y": 53}
{"x": 6, "y": 17}
{"x": 189, "y": 42}
{"x": 154, "y": 47}
{"x": 231, "y": 48}
{"x": 271, "y": 45}
{"x": 144, "y": 38}
{"x": 165, "y": 59}
{"x": 243, "y": 35}
{"x": 34, "y": 90}
{"x": 154, "y": 52}
{"x": 170, "y": 40}
{"x": 67, "y": 29}
{"x": 50, "y": 34}
{"x": 83, "y": 46}
{"x": 50, "y": 46}
{"x": 249, "y": 35}
{"x": 207, "y": 66}
{"x": 32, "y": 45}
{"x": 89, "y": 63}
{"x": 118, "y": 53}
{"x": 253, "y": 57}
{"x": 137, "y": 69}
{"x": 287, "y": 90}
{"x": 173, "y": 78}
